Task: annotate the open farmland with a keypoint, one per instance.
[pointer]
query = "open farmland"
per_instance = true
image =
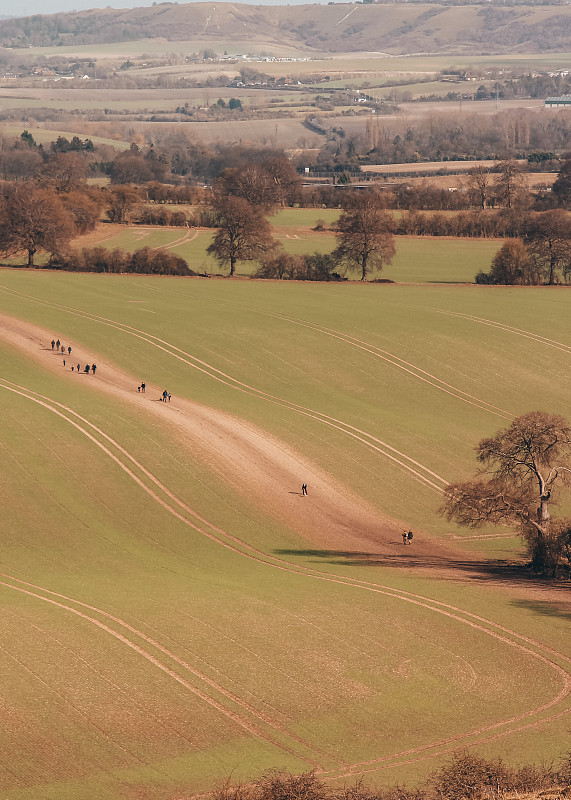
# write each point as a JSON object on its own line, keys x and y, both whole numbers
{"x": 187, "y": 615}
{"x": 418, "y": 259}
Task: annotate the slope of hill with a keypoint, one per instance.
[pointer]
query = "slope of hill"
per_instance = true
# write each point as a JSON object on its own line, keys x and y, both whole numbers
{"x": 392, "y": 28}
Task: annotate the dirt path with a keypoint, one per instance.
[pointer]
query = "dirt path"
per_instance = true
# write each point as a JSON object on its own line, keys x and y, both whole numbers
{"x": 266, "y": 471}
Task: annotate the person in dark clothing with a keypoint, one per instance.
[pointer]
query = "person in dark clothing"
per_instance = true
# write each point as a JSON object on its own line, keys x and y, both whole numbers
{"x": 409, "y": 537}
{"x": 69, "y": 351}
{"x": 93, "y": 368}
{"x": 143, "y": 387}
{"x": 53, "y": 343}
{"x": 165, "y": 395}
{"x": 87, "y": 368}
{"x": 304, "y": 489}
{"x": 58, "y": 344}
{"x": 79, "y": 367}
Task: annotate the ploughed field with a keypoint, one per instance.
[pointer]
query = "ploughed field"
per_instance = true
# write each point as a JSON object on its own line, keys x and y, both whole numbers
{"x": 175, "y": 612}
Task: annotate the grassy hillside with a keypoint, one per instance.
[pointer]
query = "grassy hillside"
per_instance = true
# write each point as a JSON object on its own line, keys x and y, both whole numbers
{"x": 163, "y": 630}
{"x": 391, "y": 28}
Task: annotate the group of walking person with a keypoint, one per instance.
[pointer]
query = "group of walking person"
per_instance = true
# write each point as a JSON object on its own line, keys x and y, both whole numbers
{"x": 164, "y": 398}
{"x": 58, "y": 347}
{"x": 407, "y": 537}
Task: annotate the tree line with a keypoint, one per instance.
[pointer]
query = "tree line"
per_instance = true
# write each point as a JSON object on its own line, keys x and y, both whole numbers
{"x": 55, "y": 204}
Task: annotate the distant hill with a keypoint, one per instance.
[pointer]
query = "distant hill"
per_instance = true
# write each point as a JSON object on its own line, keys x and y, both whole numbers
{"x": 396, "y": 28}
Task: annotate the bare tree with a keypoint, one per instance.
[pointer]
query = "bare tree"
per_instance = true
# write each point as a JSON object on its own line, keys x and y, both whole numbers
{"x": 365, "y": 233}
{"x": 509, "y": 184}
{"x": 33, "y": 219}
{"x": 120, "y": 201}
{"x": 64, "y": 172}
{"x": 562, "y": 186}
{"x": 243, "y": 232}
{"x": 479, "y": 183}
{"x": 523, "y": 466}
{"x": 548, "y": 240}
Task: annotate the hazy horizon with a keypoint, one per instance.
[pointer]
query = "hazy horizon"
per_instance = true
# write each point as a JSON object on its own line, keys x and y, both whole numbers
{"x": 29, "y": 7}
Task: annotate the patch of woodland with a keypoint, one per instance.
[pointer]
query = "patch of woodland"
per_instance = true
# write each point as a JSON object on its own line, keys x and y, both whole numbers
{"x": 454, "y": 136}
{"x": 465, "y": 777}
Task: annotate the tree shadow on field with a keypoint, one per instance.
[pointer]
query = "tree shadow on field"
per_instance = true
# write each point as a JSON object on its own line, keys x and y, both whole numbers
{"x": 545, "y": 608}
{"x": 447, "y": 566}
{"x": 402, "y": 557}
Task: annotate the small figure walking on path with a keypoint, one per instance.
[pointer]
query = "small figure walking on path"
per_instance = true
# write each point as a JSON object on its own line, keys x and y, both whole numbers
{"x": 165, "y": 395}
{"x": 72, "y": 367}
{"x": 69, "y": 351}
{"x": 409, "y": 537}
{"x": 304, "y": 489}
{"x": 64, "y": 362}
{"x": 404, "y": 537}
{"x": 169, "y": 397}
{"x": 143, "y": 387}
{"x": 87, "y": 368}
{"x": 79, "y": 367}
{"x": 62, "y": 349}
{"x": 53, "y": 343}
{"x": 93, "y": 368}
{"x": 138, "y": 388}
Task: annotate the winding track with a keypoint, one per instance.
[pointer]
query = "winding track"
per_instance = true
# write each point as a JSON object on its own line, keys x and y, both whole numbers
{"x": 418, "y": 471}
{"x": 187, "y": 515}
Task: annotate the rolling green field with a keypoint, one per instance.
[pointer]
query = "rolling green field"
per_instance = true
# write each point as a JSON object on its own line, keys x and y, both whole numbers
{"x": 162, "y": 630}
{"x": 417, "y": 260}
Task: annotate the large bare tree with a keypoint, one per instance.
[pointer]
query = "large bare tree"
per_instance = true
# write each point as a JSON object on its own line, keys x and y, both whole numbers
{"x": 243, "y": 232}
{"x": 548, "y": 240}
{"x": 509, "y": 183}
{"x": 365, "y": 233}
{"x": 479, "y": 184}
{"x": 32, "y": 219}
{"x": 523, "y": 467}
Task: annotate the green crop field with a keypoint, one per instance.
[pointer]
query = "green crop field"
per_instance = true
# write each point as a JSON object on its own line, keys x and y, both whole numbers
{"x": 417, "y": 260}
{"x": 175, "y": 614}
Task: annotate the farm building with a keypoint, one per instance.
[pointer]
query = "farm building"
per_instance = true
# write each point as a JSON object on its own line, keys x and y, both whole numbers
{"x": 554, "y": 102}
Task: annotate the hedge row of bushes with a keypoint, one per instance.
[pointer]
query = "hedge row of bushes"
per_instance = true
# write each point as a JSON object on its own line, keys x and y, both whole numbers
{"x": 466, "y": 777}
{"x": 142, "y": 262}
